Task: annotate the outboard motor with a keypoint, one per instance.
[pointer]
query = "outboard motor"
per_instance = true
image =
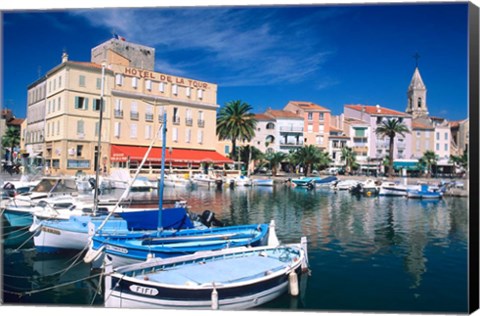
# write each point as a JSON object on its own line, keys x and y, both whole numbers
{"x": 208, "y": 219}
{"x": 9, "y": 189}
{"x": 92, "y": 182}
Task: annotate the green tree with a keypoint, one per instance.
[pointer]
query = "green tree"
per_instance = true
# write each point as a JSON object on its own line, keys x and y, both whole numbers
{"x": 235, "y": 122}
{"x": 11, "y": 139}
{"x": 460, "y": 161}
{"x": 249, "y": 153}
{"x": 428, "y": 160}
{"x": 350, "y": 158}
{"x": 323, "y": 161}
{"x": 390, "y": 128}
{"x": 292, "y": 159}
{"x": 308, "y": 156}
{"x": 274, "y": 159}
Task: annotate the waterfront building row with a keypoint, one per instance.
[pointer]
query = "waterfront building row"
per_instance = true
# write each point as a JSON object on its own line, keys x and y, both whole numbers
{"x": 63, "y": 113}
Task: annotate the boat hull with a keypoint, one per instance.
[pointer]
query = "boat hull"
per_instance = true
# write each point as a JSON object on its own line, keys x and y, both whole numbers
{"x": 230, "y": 279}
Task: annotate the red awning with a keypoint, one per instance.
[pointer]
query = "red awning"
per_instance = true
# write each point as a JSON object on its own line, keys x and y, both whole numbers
{"x": 123, "y": 153}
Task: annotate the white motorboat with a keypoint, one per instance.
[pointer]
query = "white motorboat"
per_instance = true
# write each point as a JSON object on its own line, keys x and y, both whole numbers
{"x": 388, "y": 188}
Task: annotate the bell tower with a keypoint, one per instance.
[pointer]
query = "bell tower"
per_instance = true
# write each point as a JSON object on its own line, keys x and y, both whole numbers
{"x": 417, "y": 95}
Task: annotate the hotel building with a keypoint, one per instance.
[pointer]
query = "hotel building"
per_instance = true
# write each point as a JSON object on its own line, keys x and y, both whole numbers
{"x": 135, "y": 98}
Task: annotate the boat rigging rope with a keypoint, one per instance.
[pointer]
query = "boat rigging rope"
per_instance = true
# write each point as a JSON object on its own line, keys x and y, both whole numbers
{"x": 29, "y": 293}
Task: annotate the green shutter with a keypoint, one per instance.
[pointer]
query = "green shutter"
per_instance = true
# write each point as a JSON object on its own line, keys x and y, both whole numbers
{"x": 76, "y": 102}
{"x": 86, "y": 103}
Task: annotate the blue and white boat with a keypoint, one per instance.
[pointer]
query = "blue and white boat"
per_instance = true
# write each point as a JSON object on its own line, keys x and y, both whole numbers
{"x": 130, "y": 248}
{"x": 426, "y": 193}
{"x": 305, "y": 181}
{"x": 228, "y": 279}
{"x": 325, "y": 182}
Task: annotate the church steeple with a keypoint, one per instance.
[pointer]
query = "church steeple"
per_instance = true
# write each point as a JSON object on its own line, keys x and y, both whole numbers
{"x": 417, "y": 96}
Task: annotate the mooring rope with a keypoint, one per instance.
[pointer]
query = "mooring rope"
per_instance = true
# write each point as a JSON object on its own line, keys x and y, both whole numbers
{"x": 29, "y": 293}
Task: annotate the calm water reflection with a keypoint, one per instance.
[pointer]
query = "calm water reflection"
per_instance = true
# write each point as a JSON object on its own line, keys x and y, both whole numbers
{"x": 370, "y": 254}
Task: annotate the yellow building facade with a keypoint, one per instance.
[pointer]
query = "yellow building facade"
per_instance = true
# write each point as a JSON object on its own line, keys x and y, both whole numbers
{"x": 134, "y": 101}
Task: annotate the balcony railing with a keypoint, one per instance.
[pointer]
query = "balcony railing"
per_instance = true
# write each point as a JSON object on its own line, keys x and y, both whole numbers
{"x": 188, "y": 121}
{"x": 201, "y": 123}
{"x": 160, "y": 118}
{"x": 360, "y": 139}
{"x": 176, "y": 120}
{"x": 291, "y": 129}
{"x": 118, "y": 113}
{"x": 283, "y": 143}
{"x": 148, "y": 117}
{"x": 134, "y": 116}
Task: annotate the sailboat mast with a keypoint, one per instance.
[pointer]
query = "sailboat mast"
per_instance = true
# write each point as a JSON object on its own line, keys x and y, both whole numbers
{"x": 99, "y": 151}
{"x": 162, "y": 170}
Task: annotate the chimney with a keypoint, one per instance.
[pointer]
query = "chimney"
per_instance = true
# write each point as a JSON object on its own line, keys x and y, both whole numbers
{"x": 64, "y": 57}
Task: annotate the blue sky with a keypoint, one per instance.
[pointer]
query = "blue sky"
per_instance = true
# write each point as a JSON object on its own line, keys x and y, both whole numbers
{"x": 328, "y": 54}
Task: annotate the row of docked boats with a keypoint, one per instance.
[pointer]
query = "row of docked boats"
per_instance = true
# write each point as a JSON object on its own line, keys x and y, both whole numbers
{"x": 371, "y": 187}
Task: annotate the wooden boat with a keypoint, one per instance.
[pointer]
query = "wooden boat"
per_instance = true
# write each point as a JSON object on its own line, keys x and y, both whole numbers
{"x": 262, "y": 182}
{"x": 425, "y": 193}
{"x": 131, "y": 248}
{"x": 388, "y": 188}
{"x": 236, "y": 278}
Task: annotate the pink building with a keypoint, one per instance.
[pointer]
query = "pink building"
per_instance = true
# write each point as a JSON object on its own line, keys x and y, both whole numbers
{"x": 374, "y": 116}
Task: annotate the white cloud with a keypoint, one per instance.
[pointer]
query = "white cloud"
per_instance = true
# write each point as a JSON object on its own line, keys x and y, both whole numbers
{"x": 241, "y": 47}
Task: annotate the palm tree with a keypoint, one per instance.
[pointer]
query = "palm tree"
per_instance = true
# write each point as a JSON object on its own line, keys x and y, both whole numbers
{"x": 11, "y": 139}
{"x": 323, "y": 161}
{"x": 429, "y": 159}
{"x": 308, "y": 155}
{"x": 391, "y": 128}
{"x": 460, "y": 161}
{"x": 235, "y": 122}
{"x": 350, "y": 157}
{"x": 292, "y": 159}
{"x": 274, "y": 160}
{"x": 249, "y": 153}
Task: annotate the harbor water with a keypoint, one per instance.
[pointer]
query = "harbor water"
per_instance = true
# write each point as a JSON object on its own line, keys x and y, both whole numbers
{"x": 372, "y": 254}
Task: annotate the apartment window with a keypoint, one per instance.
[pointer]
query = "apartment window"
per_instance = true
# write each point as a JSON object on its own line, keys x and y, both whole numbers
{"x": 116, "y": 130}
{"x": 175, "y": 89}
{"x": 161, "y": 87}
{"x": 176, "y": 118}
{"x": 310, "y": 128}
{"x": 133, "y": 130}
{"x": 360, "y": 132}
{"x": 188, "y": 92}
{"x": 188, "y": 117}
{"x": 99, "y": 84}
{"x": 59, "y": 103}
{"x": 200, "y": 137}
{"x": 438, "y": 136}
{"x": 79, "y": 150}
{"x": 81, "y": 103}
{"x": 80, "y": 128}
{"x": 319, "y": 140}
{"x": 54, "y": 84}
{"x": 321, "y": 116}
{"x": 148, "y": 131}
{"x": 427, "y": 134}
{"x": 201, "y": 121}
{"x": 148, "y": 85}
{"x": 81, "y": 81}
{"x": 438, "y": 146}
{"x": 119, "y": 79}
{"x": 188, "y": 135}
{"x": 97, "y": 128}
{"x": 310, "y": 116}
{"x": 134, "y": 82}
{"x": 149, "y": 113}
{"x": 48, "y": 129}
{"x": 446, "y": 136}
{"x": 97, "y": 105}
{"x": 417, "y": 144}
{"x": 53, "y": 105}
{"x": 175, "y": 134}
{"x": 49, "y": 86}
{"x": 134, "y": 111}
{"x": 58, "y": 128}
{"x": 321, "y": 128}
{"x": 60, "y": 81}
{"x": 446, "y": 147}
{"x": 227, "y": 149}
{"x": 118, "y": 113}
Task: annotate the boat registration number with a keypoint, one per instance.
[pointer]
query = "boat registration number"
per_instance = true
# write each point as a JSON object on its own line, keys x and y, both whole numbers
{"x": 143, "y": 290}
{"x": 117, "y": 249}
{"x": 51, "y": 231}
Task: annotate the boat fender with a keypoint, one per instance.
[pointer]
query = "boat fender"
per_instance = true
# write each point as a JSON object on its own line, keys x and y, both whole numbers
{"x": 150, "y": 256}
{"x": 293, "y": 283}
{"x": 214, "y": 297}
{"x": 272, "y": 235}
